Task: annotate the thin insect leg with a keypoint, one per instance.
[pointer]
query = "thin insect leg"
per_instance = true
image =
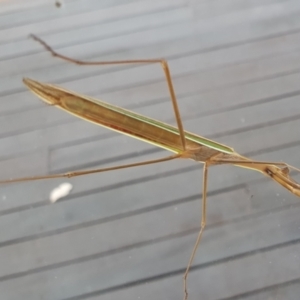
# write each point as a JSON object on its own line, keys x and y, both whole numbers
{"x": 162, "y": 62}
{"x": 262, "y": 166}
{"x": 280, "y": 175}
{"x": 92, "y": 171}
{"x": 202, "y": 226}
{"x": 285, "y": 166}
{"x": 249, "y": 162}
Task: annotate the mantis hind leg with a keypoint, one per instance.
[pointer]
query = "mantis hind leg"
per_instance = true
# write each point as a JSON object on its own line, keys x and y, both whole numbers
{"x": 91, "y": 171}
{"x": 162, "y": 62}
{"x": 202, "y": 227}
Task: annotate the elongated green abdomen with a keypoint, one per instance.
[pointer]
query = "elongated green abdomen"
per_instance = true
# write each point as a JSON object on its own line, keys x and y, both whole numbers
{"x": 125, "y": 121}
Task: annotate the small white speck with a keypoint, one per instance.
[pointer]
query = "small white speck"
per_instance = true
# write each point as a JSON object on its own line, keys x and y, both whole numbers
{"x": 4, "y": 197}
{"x": 243, "y": 120}
{"x": 175, "y": 208}
{"x": 277, "y": 195}
{"x": 61, "y": 191}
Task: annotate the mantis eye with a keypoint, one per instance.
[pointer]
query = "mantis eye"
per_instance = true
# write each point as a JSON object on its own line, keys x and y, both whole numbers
{"x": 285, "y": 170}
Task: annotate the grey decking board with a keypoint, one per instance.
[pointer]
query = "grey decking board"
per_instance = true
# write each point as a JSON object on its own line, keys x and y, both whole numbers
{"x": 179, "y": 53}
{"x": 108, "y": 14}
{"x": 140, "y": 257}
{"x": 204, "y": 279}
{"x": 121, "y": 10}
{"x": 283, "y": 63}
{"x": 119, "y": 27}
{"x": 133, "y": 39}
{"x": 203, "y": 9}
{"x": 223, "y": 207}
{"x": 285, "y": 290}
{"x": 295, "y": 199}
{"x": 279, "y": 139}
{"x": 170, "y": 49}
{"x": 198, "y": 173}
{"x": 242, "y": 142}
{"x": 53, "y": 218}
{"x": 209, "y": 34}
{"x": 243, "y": 145}
{"x": 10, "y": 6}
{"x": 181, "y": 4}
{"x": 51, "y": 12}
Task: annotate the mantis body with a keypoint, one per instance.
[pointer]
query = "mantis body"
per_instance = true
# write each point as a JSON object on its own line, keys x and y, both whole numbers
{"x": 183, "y": 144}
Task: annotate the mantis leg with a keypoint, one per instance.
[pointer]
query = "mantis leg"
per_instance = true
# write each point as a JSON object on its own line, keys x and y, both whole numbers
{"x": 162, "y": 62}
{"x": 202, "y": 226}
{"x": 92, "y": 171}
{"x": 278, "y": 171}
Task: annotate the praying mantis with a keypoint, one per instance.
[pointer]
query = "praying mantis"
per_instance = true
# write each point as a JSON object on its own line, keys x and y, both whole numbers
{"x": 181, "y": 143}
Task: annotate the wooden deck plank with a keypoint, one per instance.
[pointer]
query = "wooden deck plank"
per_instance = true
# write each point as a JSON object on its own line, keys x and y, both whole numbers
{"x": 168, "y": 49}
{"x": 107, "y": 14}
{"x": 9, "y": 6}
{"x": 229, "y": 137}
{"x": 254, "y": 28}
{"x": 212, "y": 275}
{"x": 99, "y": 273}
{"x": 50, "y": 11}
{"x": 180, "y": 53}
{"x": 225, "y": 207}
{"x": 55, "y": 218}
{"x": 124, "y": 234}
{"x": 243, "y": 144}
{"x": 280, "y": 64}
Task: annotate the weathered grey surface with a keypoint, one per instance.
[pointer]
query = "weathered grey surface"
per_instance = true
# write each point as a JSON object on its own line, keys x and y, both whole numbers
{"x": 128, "y": 234}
